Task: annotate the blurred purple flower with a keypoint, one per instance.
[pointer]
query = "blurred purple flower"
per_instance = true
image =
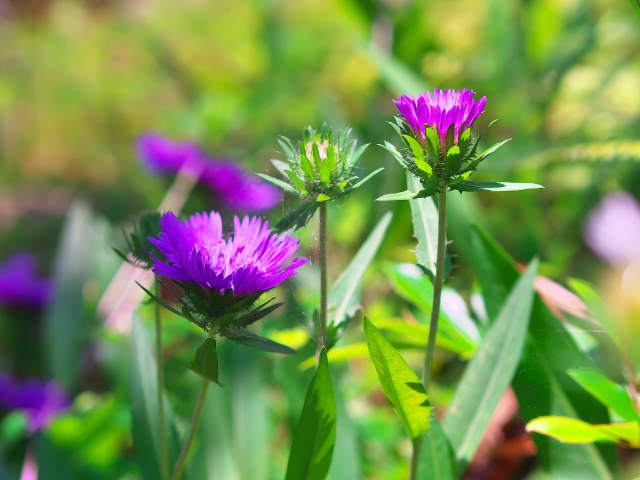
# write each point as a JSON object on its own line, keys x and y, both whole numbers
{"x": 20, "y": 285}
{"x": 441, "y": 110}
{"x": 240, "y": 190}
{"x": 612, "y": 229}
{"x": 40, "y": 400}
{"x": 250, "y": 261}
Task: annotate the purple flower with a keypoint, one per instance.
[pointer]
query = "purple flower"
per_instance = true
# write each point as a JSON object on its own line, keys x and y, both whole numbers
{"x": 238, "y": 189}
{"x": 41, "y": 401}
{"x": 252, "y": 260}
{"x": 20, "y": 285}
{"x": 612, "y": 229}
{"x": 441, "y": 111}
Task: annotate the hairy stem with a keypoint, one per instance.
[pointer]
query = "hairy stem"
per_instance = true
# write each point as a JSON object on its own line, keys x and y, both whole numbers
{"x": 180, "y": 464}
{"x": 437, "y": 288}
{"x": 322, "y": 330}
{"x": 164, "y": 458}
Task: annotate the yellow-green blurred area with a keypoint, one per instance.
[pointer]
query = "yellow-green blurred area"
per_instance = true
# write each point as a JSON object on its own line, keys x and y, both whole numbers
{"x": 81, "y": 80}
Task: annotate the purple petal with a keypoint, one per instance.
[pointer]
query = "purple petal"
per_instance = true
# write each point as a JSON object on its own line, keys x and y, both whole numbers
{"x": 20, "y": 286}
{"x": 161, "y": 155}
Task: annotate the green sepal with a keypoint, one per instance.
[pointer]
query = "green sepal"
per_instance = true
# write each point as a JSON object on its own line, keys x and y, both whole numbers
{"x": 287, "y": 147}
{"x": 307, "y": 168}
{"x": 453, "y": 160}
{"x": 389, "y": 147}
{"x": 418, "y": 154}
{"x": 433, "y": 142}
{"x": 392, "y": 197}
{"x": 205, "y": 362}
{"x": 278, "y": 183}
{"x": 299, "y": 184}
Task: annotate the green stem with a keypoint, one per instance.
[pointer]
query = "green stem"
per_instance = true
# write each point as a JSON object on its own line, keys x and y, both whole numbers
{"x": 415, "y": 454}
{"x": 177, "y": 470}
{"x": 164, "y": 457}
{"x": 322, "y": 333}
{"x": 437, "y": 288}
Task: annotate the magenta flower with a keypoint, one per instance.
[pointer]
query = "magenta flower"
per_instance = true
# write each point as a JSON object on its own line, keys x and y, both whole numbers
{"x": 41, "y": 401}
{"x": 238, "y": 189}
{"x": 441, "y": 111}
{"x": 613, "y": 228}
{"x": 20, "y": 286}
{"x": 252, "y": 260}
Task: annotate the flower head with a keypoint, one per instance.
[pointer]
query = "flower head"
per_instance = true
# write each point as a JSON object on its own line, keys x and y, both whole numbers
{"x": 218, "y": 273}
{"x": 441, "y": 150}
{"x": 442, "y": 111}
{"x": 320, "y": 167}
{"x": 238, "y": 189}
{"x": 20, "y": 286}
{"x": 41, "y": 401}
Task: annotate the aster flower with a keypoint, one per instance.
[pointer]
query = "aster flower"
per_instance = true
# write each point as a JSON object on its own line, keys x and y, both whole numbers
{"x": 222, "y": 278}
{"x": 20, "y": 286}
{"x": 318, "y": 169}
{"x": 41, "y": 401}
{"x": 238, "y": 189}
{"x": 441, "y": 150}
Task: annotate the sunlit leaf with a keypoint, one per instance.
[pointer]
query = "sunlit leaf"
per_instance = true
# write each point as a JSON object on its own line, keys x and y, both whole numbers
{"x": 572, "y": 430}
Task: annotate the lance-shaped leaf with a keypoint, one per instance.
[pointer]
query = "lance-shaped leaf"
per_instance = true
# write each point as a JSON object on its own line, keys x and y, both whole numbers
{"x": 436, "y": 460}
{"x": 490, "y": 371}
{"x": 471, "y": 186}
{"x": 315, "y": 435}
{"x": 344, "y": 296}
{"x": 365, "y": 179}
{"x": 549, "y": 354}
{"x": 278, "y": 183}
{"x": 572, "y": 430}
{"x": 144, "y": 407}
{"x": 424, "y": 215}
{"x": 606, "y": 392}
{"x": 400, "y": 384}
{"x": 298, "y": 217}
{"x": 205, "y": 362}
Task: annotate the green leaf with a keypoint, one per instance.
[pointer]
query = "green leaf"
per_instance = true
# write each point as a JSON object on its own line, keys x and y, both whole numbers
{"x": 248, "y": 339}
{"x": 490, "y": 371}
{"x": 424, "y": 215}
{"x": 297, "y": 218}
{"x": 205, "y": 362}
{"x": 322, "y": 198}
{"x": 485, "y": 154}
{"x": 339, "y": 354}
{"x": 390, "y": 147}
{"x": 64, "y": 326}
{"x": 606, "y": 392}
{"x": 344, "y": 297}
{"x": 392, "y": 197}
{"x": 572, "y": 430}
{"x": 277, "y": 182}
{"x": 436, "y": 461}
{"x": 549, "y": 354}
{"x": 453, "y": 160}
{"x": 636, "y": 5}
{"x": 471, "y": 186}
{"x": 315, "y": 435}
{"x": 307, "y": 168}
{"x": 433, "y": 142}
{"x": 144, "y": 407}
{"x": 400, "y": 384}
{"x": 454, "y": 335}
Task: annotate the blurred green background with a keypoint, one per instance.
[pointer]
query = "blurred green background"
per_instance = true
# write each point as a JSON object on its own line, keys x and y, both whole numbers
{"x": 80, "y": 80}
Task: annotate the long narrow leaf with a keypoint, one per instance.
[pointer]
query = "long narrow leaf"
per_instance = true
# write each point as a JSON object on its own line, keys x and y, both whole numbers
{"x": 344, "y": 296}
{"x": 424, "y": 215}
{"x": 490, "y": 371}
{"x": 315, "y": 435}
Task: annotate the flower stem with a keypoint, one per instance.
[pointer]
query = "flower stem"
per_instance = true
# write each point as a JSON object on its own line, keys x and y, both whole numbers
{"x": 437, "y": 288}
{"x": 177, "y": 470}
{"x": 322, "y": 333}
{"x": 415, "y": 454}
{"x": 164, "y": 458}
